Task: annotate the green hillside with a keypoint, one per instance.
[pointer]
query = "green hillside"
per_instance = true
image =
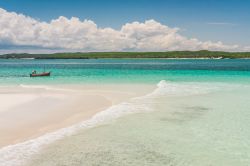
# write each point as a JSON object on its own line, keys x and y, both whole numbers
{"x": 170, "y": 54}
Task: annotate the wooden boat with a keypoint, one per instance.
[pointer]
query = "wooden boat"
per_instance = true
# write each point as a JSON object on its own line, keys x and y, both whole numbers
{"x": 40, "y": 74}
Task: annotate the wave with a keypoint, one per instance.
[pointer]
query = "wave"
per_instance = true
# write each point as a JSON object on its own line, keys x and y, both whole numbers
{"x": 18, "y": 154}
{"x": 166, "y": 88}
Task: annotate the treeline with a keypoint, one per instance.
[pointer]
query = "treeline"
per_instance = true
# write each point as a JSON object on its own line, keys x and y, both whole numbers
{"x": 170, "y": 54}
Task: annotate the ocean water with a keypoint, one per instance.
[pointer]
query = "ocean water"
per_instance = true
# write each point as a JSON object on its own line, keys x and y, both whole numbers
{"x": 198, "y": 115}
{"x": 16, "y": 72}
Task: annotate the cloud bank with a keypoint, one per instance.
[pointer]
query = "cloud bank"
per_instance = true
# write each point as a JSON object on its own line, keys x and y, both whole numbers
{"x": 18, "y": 31}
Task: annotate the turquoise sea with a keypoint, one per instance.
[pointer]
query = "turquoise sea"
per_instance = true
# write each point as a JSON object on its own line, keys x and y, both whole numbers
{"x": 125, "y": 71}
{"x": 198, "y": 115}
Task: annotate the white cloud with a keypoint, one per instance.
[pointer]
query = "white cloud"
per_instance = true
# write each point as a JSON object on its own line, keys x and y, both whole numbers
{"x": 76, "y": 35}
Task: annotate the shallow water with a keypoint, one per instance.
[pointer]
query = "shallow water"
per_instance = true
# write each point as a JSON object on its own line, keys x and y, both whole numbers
{"x": 198, "y": 116}
{"x": 208, "y": 128}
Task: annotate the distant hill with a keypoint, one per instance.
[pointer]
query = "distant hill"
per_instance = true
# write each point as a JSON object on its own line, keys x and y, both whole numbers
{"x": 169, "y": 54}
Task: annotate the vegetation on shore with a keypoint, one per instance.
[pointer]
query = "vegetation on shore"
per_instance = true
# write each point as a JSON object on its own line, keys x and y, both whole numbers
{"x": 94, "y": 55}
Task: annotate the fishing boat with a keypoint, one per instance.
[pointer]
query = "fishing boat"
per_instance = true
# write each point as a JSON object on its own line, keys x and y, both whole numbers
{"x": 40, "y": 74}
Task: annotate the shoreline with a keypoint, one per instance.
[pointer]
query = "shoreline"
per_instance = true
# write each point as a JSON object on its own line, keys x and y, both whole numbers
{"x": 41, "y": 110}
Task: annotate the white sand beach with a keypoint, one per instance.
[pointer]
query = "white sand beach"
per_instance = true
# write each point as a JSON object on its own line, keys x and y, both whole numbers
{"x": 27, "y": 112}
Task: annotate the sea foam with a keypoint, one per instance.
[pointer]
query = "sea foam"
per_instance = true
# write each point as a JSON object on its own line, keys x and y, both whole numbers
{"x": 166, "y": 88}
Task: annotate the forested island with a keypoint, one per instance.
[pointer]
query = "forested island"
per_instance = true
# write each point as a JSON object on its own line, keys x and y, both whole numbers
{"x": 95, "y": 55}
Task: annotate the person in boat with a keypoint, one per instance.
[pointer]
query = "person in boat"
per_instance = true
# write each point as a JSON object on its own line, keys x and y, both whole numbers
{"x": 34, "y": 72}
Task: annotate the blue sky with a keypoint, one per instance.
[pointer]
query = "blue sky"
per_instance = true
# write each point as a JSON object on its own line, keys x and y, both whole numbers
{"x": 215, "y": 20}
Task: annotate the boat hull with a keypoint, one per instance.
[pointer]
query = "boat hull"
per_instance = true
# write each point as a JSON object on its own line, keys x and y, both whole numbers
{"x": 40, "y": 75}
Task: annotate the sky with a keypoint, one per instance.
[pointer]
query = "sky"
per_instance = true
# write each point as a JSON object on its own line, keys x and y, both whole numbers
{"x": 124, "y": 25}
